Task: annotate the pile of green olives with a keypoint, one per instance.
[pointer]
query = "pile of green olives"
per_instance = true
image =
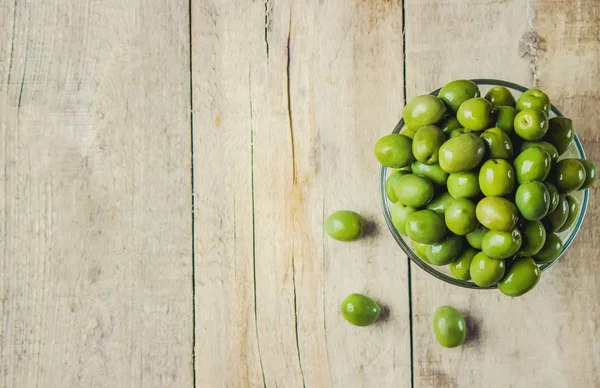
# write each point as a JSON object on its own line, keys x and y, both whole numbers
{"x": 482, "y": 184}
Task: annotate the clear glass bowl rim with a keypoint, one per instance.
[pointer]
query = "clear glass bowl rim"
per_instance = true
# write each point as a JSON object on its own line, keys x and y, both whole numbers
{"x": 431, "y": 270}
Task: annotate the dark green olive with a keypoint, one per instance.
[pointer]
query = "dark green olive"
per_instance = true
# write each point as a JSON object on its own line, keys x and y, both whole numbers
{"x": 534, "y": 237}
{"x": 460, "y": 216}
{"x": 505, "y": 119}
{"x": 486, "y": 271}
{"x": 521, "y": 277}
{"x": 423, "y": 110}
{"x": 476, "y": 114}
{"x": 394, "y": 150}
{"x": 534, "y": 98}
{"x": 389, "y": 184}
{"x": 413, "y": 190}
{"x": 498, "y": 144}
{"x": 568, "y": 175}
{"x": 456, "y": 92}
{"x": 573, "y": 213}
{"x": 532, "y": 200}
{"x": 426, "y": 143}
{"x": 449, "y": 327}
{"x": 399, "y": 213}
{"x": 460, "y": 267}
{"x": 549, "y": 148}
{"x": 433, "y": 172}
{"x": 554, "y": 196}
{"x": 440, "y": 203}
{"x": 551, "y": 250}
{"x": 425, "y": 227}
{"x": 531, "y": 124}
{"x": 360, "y": 310}
{"x": 591, "y": 173}
{"x": 445, "y": 251}
{"x": 500, "y": 96}
{"x": 560, "y": 133}
{"x": 449, "y": 124}
{"x": 475, "y": 238}
{"x": 555, "y": 220}
{"x": 501, "y": 245}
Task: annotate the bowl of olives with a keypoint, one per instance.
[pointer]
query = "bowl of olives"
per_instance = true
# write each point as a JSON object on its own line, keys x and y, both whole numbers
{"x": 484, "y": 184}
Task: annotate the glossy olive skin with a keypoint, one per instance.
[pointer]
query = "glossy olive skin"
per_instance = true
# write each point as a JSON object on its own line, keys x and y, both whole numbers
{"x": 425, "y": 227}
{"x": 440, "y": 203}
{"x": 345, "y": 225}
{"x": 555, "y": 220}
{"x": 497, "y": 143}
{"x": 534, "y": 98}
{"x": 534, "y": 237}
{"x": 449, "y": 327}
{"x": 497, "y": 213}
{"x": 549, "y": 148}
{"x": 533, "y": 164}
{"x": 423, "y": 110}
{"x": 410, "y": 133}
{"x": 456, "y": 92}
{"x": 426, "y": 143}
{"x": 463, "y": 184}
{"x": 573, "y": 213}
{"x": 501, "y": 245}
{"x": 554, "y": 196}
{"x": 521, "y": 277}
{"x": 460, "y": 217}
{"x": 449, "y": 124}
{"x": 496, "y": 178}
{"x": 531, "y": 124}
{"x": 389, "y": 184}
{"x": 551, "y": 250}
{"x": 568, "y": 175}
{"x": 532, "y": 200}
{"x": 394, "y": 150}
{"x": 476, "y": 114}
{"x": 500, "y": 96}
{"x": 457, "y": 132}
{"x": 420, "y": 250}
{"x": 462, "y": 153}
{"x": 413, "y": 190}
{"x": 399, "y": 213}
{"x": 475, "y": 238}
{"x": 445, "y": 251}
{"x": 560, "y": 133}
{"x": 486, "y": 271}
{"x": 433, "y": 172}
{"x": 591, "y": 173}
{"x": 360, "y": 310}
{"x": 505, "y": 119}
{"x": 461, "y": 266}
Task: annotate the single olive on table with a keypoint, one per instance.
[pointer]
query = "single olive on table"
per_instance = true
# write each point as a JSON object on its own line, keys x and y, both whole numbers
{"x": 360, "y": 310}
{"x": 492, "y": 186}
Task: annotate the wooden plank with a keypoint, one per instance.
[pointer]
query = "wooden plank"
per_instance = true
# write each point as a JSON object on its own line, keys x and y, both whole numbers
{"x": 96, "y": 225}
{"x": 324, "y": 82}
{"x": 548, "y": 337}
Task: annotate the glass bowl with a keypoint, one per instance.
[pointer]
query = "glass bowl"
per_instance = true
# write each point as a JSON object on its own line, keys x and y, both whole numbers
{"x": 443, "y": 272}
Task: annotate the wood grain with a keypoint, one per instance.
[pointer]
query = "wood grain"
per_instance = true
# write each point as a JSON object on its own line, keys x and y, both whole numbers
{"x": 95, "y": 211}
{"x": 289, "y": 100}
{"x": 548, "y": 337}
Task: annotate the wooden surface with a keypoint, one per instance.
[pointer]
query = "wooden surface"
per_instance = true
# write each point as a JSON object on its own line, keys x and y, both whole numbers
{"x": 113, "y": 113}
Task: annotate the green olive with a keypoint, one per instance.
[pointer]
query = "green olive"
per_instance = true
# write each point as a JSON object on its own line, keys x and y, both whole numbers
{"x": 591, "y": 173}
{"x": 497, "y": 213}
{"x": 456, "y": 92}
{"x": 531, "y": 124}
{"x": 475, "y": 238}
{"x": 505, "y": 119}
{"x": 476, "y": 114}
{"x": 534, "y": 237}
{"x": 463, "y": 184}
{"x": 420, "y": 250}
{"x": 554, "y": 196}
{"x": 423, "y": 110}
{"x": 433, "y": 172}
{"x": 533, "y": 200}
{"x": 568, "y": 175}
{"x": 360, "y": 310}
{"x": 440, "y": 203}
{"x": 462, "y": 153}
{"x": 496, "y": 178}
{"x": 399, "y": 213}
{"x": 551, "y": 250}
{"x": 425, "y": 227}
{"x": 486, "y": 271}
{"x": 460, "y": 267}
{"x": 389, "y": 185}
{"x": 522, "y": 276}
{"x": 449, "y": 327}
{"x": 534, "y": 98}
{"x": 408, "y": 132}
{"x": 413, "y": 190}
{"x": 449, "y": 124}
{"x": 501, "y": 245}
{"x": 500, "y": 96}
{"x": 394, "y": 150}
{"x": 498, "y": 144}
{"x": 549, "y": 148}
{"x": 445, "y": 251}
{"x": 426, "y": 143}
{"x": 555, "y": 220}
{"x": 460, "y": 217}
{"x": 533, "y": 164}
{"x": 345, "y": 225}
{"x": 560, "y": 133}
{"x": 457, "y": 132}
{"x": 573, "y": 213}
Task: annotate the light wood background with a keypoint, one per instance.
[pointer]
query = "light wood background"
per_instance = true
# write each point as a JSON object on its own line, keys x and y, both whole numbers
{"x": 167, "y": 167}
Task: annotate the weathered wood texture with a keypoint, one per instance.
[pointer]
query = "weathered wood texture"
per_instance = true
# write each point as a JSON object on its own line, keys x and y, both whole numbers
{"x": 548, "y": 337}
{"x": 289, "y": 99}
{"x": 95, "y": 217}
